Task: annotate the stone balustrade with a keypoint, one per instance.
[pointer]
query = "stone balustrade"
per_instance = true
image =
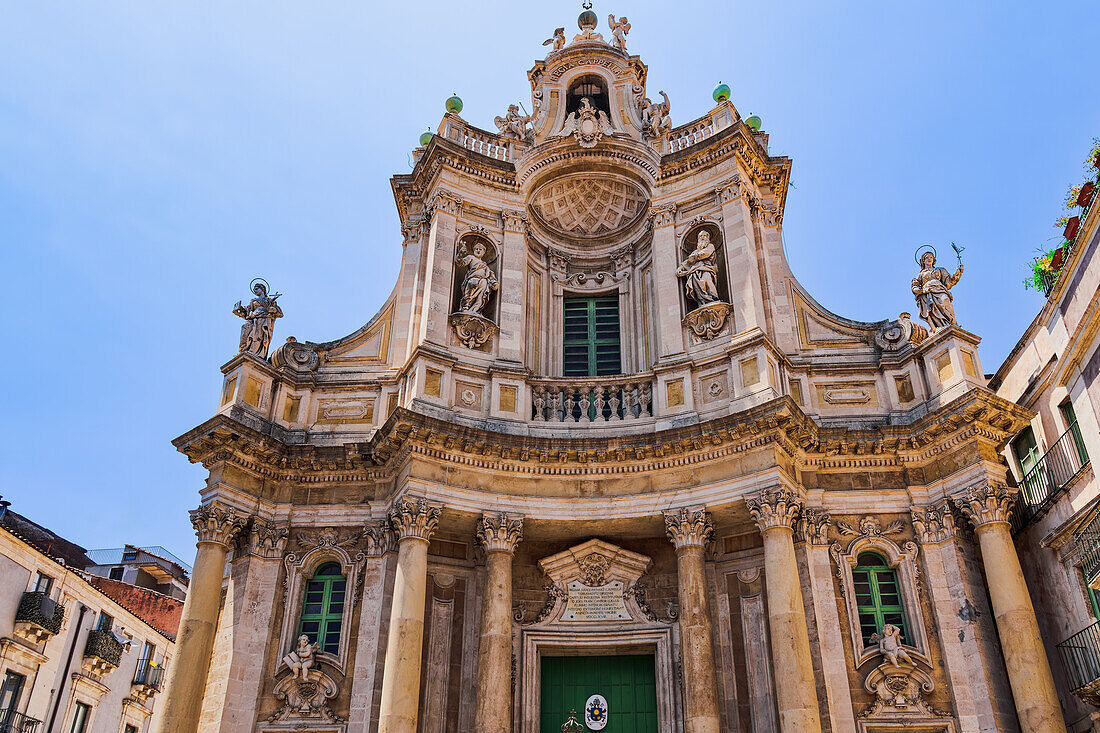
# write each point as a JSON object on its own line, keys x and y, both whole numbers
{"x": 690, "y": 133}
{"x": 479, "y": 141}
{"x": 592, "y": 399}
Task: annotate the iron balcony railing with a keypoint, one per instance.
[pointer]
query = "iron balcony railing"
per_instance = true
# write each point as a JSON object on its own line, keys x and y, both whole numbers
{"x": 39, "y": 609}
{"x": 1058, "y": 466}
{"x": 1080, "y": 655}
{"x": 149, "y": 674}
{"x": 103, "y": 645}
{"x": 13, "y": 722}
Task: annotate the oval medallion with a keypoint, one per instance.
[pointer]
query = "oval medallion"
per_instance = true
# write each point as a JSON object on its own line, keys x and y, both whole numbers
{"x": 595, "y": 712}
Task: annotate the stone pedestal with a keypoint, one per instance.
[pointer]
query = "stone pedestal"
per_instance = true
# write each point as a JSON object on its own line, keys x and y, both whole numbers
{"x": 186, "y": 680}
{"x": 413, "y": 522}
{"x": 1029, "y": 673}
{"x": 690, "y": 530}
{"x": 498, "y": 534}
{"x": 796, "y": 694}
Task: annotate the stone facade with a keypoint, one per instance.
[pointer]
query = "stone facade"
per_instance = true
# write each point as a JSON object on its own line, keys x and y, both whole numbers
{"x": 704, "y": 498}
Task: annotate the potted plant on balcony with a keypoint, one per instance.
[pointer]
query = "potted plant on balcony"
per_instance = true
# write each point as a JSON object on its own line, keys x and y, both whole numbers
{"x": 1073, "y": 223}
{"x": 1084, "y": 197}
{"x": 1044, "y": 270}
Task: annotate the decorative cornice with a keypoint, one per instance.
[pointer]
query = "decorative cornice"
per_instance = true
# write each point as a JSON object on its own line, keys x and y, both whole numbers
{"x": 499, "y": 532}
{"x": 774, "y": 509}
{"x": 414, "y": 519}
{"x": 986, "y": 504}
{"x": 267, "y": 539}
{"x": 216, "y": 523}
{"x": 689, "y": 527}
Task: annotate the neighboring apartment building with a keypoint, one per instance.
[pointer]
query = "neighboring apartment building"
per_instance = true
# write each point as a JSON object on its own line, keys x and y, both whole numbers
{"x": 153, "y": 567}
{"x": 1053, "y": 371}
{"x": 78, "y": 653}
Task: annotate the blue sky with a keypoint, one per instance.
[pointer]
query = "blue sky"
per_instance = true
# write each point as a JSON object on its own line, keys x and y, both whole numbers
{"x": 154, "y": 158}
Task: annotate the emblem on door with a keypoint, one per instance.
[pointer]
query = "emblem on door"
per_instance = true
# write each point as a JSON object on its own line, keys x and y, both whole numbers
{"x": 595, "y": 712}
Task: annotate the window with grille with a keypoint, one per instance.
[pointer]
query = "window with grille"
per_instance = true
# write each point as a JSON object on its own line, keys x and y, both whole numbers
{"x": 591, "y": 337}
{"x": 323, "y": 607}
{"x": 878, "y": 598}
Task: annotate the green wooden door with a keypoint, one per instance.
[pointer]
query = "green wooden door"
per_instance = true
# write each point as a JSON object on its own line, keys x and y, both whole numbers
{"x": 628, "y": 682}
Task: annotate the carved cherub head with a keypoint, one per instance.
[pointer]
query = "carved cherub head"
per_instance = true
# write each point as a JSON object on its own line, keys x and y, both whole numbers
{"x": 303, "y": 643}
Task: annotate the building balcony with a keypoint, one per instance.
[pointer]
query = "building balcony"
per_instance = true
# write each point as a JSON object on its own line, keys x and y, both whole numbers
{"x": 1060, "y": 465}
{"x": 13, "y": 722}
{"x": 102, "y": 652}
{"x": 592, "y": 400}
{"x": 38, "y": 617}
{"x": 148, "y": 679}
{"x": 1080, "y": 656}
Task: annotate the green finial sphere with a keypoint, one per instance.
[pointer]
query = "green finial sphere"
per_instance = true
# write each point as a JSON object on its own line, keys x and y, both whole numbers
{"x": 754, "y": 123}
{"x": 425, "y": 138}
{"x": 454, "y": 103}
{"x": 721, "y": 92}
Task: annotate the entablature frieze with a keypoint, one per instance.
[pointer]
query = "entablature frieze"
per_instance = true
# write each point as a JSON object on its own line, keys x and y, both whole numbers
{"x": 779, "y": 424}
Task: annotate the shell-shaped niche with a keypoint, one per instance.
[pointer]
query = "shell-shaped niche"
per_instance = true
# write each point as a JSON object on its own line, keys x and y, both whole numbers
{"x": 583, "y": 205}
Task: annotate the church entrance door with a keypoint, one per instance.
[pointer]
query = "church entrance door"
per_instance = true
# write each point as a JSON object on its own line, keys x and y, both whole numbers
{"x": 627, "y": 682}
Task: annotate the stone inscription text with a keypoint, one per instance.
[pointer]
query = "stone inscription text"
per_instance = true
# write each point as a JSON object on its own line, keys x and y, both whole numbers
{"x": 603, "y": 603}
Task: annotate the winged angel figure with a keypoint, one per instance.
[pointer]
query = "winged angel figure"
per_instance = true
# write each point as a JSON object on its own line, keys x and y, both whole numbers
{"x": 514, "y": 124}
{"x": 619, "y": 29}
{"x": 655, "y": 116}
{"x": 558, "y": 39}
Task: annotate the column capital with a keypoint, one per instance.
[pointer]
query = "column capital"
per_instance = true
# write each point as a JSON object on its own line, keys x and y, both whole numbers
{"x": 689, "y": 527}
{"x": 514, "y": 221}
{"x": 662, "y": 215}
{"x": 775, "y": 508}
{"x": 731, "y": 189}
{"x": 934, "y": 523}
{"x": 986, "y": 504}
{"x": 444, "y": 202}
{"x": 414, "y": 518}
{"x": 216, "y": 523}
{"x": 499, "y": 532}
{"x": 267, "y": 539}
{"x": 815, "y": 527}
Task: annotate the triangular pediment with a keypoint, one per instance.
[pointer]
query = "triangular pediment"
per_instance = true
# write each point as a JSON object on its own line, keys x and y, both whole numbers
{"x": 595, "y": 562}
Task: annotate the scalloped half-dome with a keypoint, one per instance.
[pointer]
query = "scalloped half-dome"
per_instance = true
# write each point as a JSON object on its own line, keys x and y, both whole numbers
{"x": 586, "y": 206}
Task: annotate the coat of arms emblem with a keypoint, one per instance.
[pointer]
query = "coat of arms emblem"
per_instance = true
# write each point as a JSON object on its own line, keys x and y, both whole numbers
{"x": 595, "y": 712}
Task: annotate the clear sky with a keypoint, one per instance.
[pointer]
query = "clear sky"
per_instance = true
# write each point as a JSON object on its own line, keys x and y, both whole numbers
{"x": 155, "y": 157}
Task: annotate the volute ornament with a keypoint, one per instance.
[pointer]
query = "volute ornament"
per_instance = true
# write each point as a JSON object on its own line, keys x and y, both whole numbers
{"x": 895, "y": 335}
{"x": 298, "y": 356}
{"x": 708, "y": 321}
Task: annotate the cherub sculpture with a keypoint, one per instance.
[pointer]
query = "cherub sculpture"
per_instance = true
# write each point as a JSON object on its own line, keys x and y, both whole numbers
{"x": 558, "y": 39}
{"x": 479, "y": 282}
{"x": 619, "y": 29}
{"x": 931, "y": 287}
{"x": 700, "y": 272}
{"x": 514, "y": 124}
{"x": 655, "y": 116}
{"x": 259, "y": 319}
{"x": 889, "y": 645}
{"x": 302, "y": 657}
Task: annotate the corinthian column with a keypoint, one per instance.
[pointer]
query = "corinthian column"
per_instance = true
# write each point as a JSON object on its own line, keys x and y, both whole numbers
{"x": 775, "y": 513}
{"x": 216, "y": 526}
{"x": 690, "y": 530}
{"x": 498, "y": 534}
{"x": 413, "y": 522}
{"x": 1028, "y": 668}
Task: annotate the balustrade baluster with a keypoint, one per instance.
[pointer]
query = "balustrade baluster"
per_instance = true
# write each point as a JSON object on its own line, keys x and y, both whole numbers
{"x": 567, "y": 415}
{"x": 585, "y": 402}
{"x": 613, "y": 403}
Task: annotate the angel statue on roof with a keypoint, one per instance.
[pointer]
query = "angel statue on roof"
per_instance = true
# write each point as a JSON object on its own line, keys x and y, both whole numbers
{"x": 932, "y": 289}
{"x": 514, "y": 124}
{"x": 558, "y": 39}
{"x": 619, "y": 29}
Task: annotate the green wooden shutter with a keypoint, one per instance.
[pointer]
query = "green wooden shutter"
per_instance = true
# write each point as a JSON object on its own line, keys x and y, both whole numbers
{"x": 878, "y": 598}
{"x": 591, "y": 337}
{"x": 323, "y": 608}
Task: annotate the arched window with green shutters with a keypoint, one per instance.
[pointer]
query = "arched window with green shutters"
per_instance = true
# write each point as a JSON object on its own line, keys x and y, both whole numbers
{"x": 878, "y": 597}
{"x": 323, "y": 607}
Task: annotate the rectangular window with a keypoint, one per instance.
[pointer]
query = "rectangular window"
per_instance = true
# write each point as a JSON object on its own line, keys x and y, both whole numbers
{"x": 1025, "y": 449}
{"x": 105, "y": 622}
{"x": 591, "y": 337}
{"x": 43, "y": 584}
{"x": 9, "y": 695}
{"x": 1070, "y": 418}
{"x": 148, "y": 652}
{"x": 130, "y": 729}
{"x": 81, "y": 713}
{"x": 116, "y": 574}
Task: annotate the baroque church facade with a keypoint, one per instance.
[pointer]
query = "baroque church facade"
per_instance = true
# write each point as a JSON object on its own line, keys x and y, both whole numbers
{"x": 601, "y": 462}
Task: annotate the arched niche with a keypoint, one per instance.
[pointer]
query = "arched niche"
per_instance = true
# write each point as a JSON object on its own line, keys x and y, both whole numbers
{"x": 467, "y": 245}
{"x": 590, "y": 85}
{"x": 688, "y": 245}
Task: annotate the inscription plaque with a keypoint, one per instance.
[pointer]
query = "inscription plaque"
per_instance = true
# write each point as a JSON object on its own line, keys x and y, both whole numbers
{"x": 595, "y": 603}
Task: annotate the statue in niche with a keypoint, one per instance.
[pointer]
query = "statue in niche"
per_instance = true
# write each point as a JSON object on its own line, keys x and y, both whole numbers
{"x": 655, "y": 116}
{"x": 514, "y": 124}
{"x": 479, "y": 282}
{"x": 889, "y": 645}
{"x": 302, "y": 657}
{"x": 558, "y": 39}
{"x": 619, "y": 29}
{"x": 931, "y": 287}
{"x": 259, "y": 319}
{"x": 700, "y": 272}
